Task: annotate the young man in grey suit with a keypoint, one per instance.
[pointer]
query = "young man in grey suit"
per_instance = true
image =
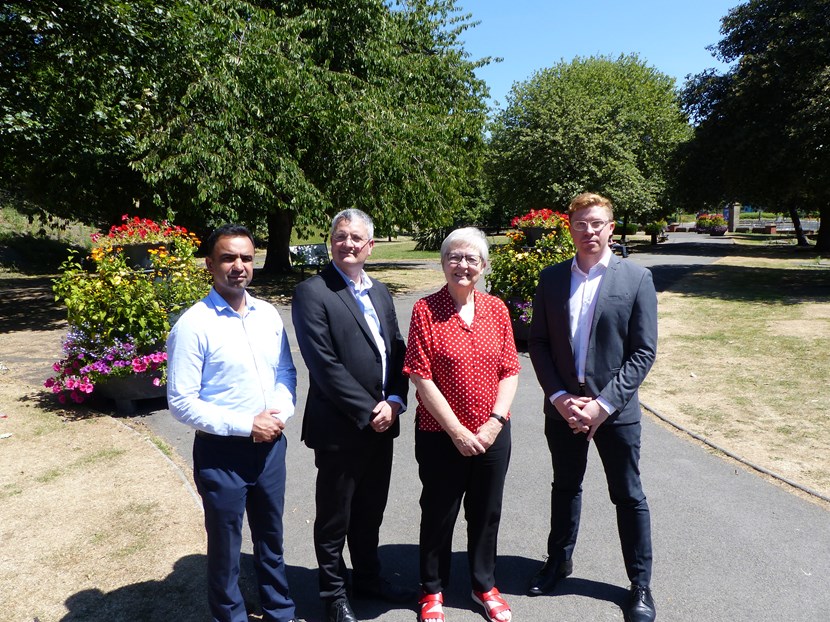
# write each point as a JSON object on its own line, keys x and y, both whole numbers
{"x": 349, "y": 338}
{"x": 592, "y": 341}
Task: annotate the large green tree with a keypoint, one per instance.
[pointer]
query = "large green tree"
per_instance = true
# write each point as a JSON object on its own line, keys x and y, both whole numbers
{"x": 276, "y": 114}
{"x": 298, "y": 109}
{"x": 76, "y": 84}
{"x": 602, "y": 124}
{"x": 762, "y": 130}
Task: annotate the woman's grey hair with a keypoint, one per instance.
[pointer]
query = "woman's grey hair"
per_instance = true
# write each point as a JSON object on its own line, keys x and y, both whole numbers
{"x": 467, "y": 236}
{"x": 351, "y": 215}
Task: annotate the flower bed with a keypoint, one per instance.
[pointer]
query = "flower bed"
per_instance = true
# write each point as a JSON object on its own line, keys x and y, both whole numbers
{"x": 120, "y": 316}
{"x": 515, "y": 266}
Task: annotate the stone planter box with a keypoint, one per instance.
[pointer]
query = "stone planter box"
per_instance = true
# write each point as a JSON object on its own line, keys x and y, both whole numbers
{"x": 769, "y": 229}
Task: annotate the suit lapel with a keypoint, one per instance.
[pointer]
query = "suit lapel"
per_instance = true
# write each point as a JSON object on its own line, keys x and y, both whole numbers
{"x": 339, "y": 287}
{"x": 605, "y": 288}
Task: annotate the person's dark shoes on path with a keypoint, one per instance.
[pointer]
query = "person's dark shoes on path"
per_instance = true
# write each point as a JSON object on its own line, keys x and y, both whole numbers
{"x": 544, "y": 581}
{"x": 640, "y": 605}
{"x": 340, "y": 611}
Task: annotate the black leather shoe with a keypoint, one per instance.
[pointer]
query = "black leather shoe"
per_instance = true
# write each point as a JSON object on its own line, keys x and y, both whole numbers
{"x": 640, "y": 605}
{"x": 544, "y": 581}
{"x": 381, "y": 589}
{"x": 341, "y": 611}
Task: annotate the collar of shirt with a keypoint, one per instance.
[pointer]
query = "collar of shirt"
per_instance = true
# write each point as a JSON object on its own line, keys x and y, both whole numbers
{"x": 364, "y": 285}
{"x": 602, "y": 265}
{"x": 222, "y": 305}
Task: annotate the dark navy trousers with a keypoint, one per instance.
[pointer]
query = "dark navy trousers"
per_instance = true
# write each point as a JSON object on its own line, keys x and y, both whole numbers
{"x": 234, "y": 475}
{"x": 619, "y": 449}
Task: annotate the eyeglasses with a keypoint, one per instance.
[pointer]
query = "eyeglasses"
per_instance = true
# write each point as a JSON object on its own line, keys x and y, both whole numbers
{"x": 455, "y": 258}
{"x": 341, "y": 238}
{"x": 595, "y": 225}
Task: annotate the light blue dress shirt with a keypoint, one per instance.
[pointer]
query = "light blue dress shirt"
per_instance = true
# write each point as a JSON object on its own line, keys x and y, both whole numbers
{"x": 224, "y": 369}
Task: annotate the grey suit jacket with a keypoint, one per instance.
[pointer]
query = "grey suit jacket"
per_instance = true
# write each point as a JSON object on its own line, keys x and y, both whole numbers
{"x": 622, "y": 344}
{"x": 343, "y": 361}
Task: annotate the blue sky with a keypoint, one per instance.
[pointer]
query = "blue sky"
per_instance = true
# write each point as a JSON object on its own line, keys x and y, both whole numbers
{"x": 670, "y": 35}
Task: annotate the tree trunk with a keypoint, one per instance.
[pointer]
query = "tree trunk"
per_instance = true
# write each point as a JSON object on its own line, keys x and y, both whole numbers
{"x": 823, "y": 241}
{"x": 280, "y": 224}
{"x": 799, "y": 232}
{"x": 625, "y": 228}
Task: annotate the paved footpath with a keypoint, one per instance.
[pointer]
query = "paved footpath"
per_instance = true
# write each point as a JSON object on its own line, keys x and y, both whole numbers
{"x": 729, "y": 545}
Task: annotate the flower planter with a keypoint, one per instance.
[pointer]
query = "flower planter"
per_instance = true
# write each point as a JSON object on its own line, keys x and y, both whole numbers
{"x": 769, "y": 229}
{"x": 534, "y": 234}
{"x": 138, "y": 255}
{"x": 718, "y": 230}
{"x": 125, "y": 391}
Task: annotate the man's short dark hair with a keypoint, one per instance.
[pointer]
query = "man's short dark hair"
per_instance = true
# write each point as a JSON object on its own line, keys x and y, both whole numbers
{"x": 229, "y": 230}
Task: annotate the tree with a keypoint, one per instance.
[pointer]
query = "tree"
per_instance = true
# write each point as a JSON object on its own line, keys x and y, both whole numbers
{"x": 275, "y": 114}
{"x": 76, "y": 84}
{"x": 764, "y": 125}
{"x": 591, "y": 124}
{"x": 299, "y": 109}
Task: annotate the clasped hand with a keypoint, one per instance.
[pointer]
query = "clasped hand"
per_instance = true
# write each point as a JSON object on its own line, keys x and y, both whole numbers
{"x": 383, "y": 415}
{"x": 584, "y": 415}
{"x": 469, "y": 444}
{"x": 267, "y": 427}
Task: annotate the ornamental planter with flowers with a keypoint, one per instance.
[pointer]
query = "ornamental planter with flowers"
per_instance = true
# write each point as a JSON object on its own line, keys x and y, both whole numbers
{"x": 515, "y": 266}
{"x": 120, "y": 310}
{"x": 538, "y": 223}
{"x": 713, "y": 224}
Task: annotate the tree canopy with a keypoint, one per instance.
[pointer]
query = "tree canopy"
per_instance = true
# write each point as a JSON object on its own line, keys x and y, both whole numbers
{"x": 276, "y": 114}
{"x": 762, "y": 130}
{"x": 601, "y": 124}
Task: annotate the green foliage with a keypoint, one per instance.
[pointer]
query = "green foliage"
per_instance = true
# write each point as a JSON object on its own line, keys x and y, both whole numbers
{"x": 596, "y": 124}
{"x": 655, "y": 228}
{"x": 295, "y": 111}
{"x": 273, "y": 114}
{"x": 762, "y": 128}
{"x": 515, "y": 267}
{"x": 77, "y": 82}
{"x": 119, "y": 315}
{"x": 117, "y": 301}
{"x": 630, "y": 229}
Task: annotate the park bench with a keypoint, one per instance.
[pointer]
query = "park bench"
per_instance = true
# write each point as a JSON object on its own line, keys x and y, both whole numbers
{"x": 309, "y": 256}
{"x": 620, "y": 249}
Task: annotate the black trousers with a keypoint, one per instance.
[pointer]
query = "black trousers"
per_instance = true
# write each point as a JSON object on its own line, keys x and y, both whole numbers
{"x": 619, "y": 449}
{"x": 448, "y": 477}
{"x": 351, "y": 494}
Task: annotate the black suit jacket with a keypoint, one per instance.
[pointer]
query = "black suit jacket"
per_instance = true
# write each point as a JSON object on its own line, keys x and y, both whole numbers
{"x": 343, "y": 361}
{"x": 622, "y": 344}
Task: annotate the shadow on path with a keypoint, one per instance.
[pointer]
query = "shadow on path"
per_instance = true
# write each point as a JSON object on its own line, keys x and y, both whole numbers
{"x": 29, "y": 304}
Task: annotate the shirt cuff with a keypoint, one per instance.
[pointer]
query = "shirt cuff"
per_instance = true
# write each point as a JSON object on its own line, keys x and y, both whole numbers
{"x": 397, "y": 400}
{"x": 552, "y": 399}
{"x": 605, "y": 405}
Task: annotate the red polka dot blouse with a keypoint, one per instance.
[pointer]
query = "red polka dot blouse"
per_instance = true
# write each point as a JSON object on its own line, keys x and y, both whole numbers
{"x": 465, "y": 362}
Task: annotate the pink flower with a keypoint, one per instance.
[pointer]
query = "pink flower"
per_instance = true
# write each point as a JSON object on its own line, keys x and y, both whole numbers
{"x": 156, "y": 382}
{"x": 62, "y": 398}
{"x": 139, "y": 365}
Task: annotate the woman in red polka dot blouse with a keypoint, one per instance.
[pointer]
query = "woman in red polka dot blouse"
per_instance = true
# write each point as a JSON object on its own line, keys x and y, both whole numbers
{"x": 462, "y": 359}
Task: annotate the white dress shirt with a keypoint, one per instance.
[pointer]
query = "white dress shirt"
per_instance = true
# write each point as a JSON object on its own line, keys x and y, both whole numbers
{"x": 582, "y": 304}
{"x": 360, "y": 291}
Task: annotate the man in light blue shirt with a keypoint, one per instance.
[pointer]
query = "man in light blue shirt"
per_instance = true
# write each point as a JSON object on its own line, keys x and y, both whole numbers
{"x": 231, "y": 377}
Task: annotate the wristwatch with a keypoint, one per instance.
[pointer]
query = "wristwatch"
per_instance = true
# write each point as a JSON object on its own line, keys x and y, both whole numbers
{"x": 501, "y": 419}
